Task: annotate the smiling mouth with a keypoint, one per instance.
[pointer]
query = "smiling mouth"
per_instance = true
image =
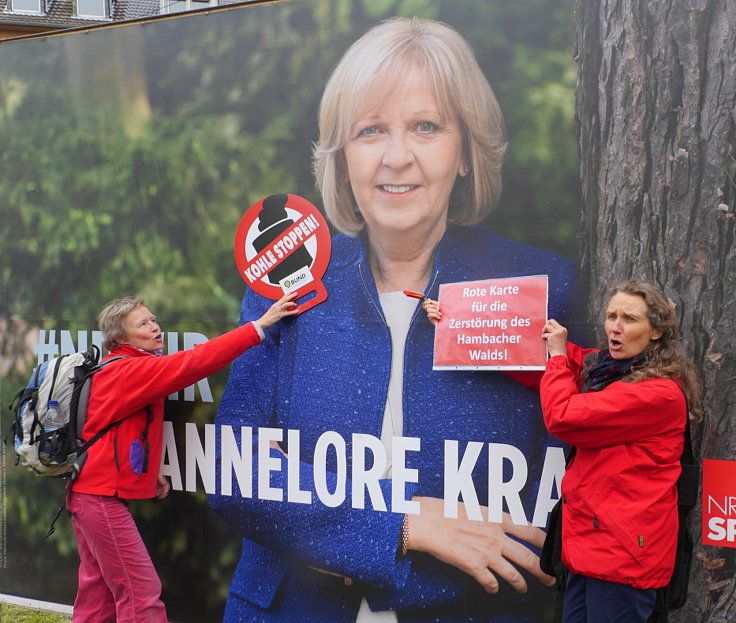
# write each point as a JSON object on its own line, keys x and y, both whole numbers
{"x": 396, "y": 188}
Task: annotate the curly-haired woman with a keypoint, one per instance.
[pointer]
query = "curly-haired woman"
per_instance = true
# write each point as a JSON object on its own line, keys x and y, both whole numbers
{"x": 625, "y": 409}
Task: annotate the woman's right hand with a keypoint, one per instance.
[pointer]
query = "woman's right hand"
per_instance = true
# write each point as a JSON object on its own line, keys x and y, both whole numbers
{"x": 481, "y": 549}
{"x": 285, "y": 306}
{"x": 433, "y": 310}
{"x": 556, "y": 336}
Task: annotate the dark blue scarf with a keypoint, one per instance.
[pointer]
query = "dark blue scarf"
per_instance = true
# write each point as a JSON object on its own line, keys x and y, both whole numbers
{"x": 608, "y": 370}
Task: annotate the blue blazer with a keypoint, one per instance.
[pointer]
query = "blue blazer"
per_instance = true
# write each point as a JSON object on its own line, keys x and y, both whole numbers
{"x": 328, "y": 370}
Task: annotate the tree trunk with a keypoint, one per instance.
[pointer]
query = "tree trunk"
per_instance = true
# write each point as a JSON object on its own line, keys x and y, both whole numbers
{"x": 656, "y": 122}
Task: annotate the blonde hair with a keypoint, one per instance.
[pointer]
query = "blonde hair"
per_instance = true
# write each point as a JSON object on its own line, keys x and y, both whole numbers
{"x": 378, "y": 62}
{"x": 112, "y": 317}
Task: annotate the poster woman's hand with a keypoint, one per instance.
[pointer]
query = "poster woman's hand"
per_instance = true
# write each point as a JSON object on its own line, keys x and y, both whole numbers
{"x": 482, "y": 549}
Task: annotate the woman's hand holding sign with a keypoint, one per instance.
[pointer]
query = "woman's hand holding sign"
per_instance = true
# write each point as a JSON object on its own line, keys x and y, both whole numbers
{"x": 556, "y": 336}
{"x": 285, "y": 306}
{"x": 433, "y": 310}
{"x": 481, "y": 549}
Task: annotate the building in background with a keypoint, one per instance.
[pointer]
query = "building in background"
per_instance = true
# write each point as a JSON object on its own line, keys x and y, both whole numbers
{"x": 28, "y": 17}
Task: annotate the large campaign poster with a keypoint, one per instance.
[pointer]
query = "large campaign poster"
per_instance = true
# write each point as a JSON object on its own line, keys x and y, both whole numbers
{"x": 129, "y": 155}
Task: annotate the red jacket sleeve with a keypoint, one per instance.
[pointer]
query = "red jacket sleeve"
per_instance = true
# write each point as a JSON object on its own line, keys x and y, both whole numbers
{"x": 621, "y": 413}
{"x": 533, "y": 378}
{"x": 139, "y": 381}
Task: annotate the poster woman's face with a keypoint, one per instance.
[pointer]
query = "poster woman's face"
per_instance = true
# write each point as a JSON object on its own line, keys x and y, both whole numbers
{"x": 402, "y": 160}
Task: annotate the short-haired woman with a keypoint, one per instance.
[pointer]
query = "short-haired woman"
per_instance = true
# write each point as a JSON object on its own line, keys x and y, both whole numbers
{"x": 117, "y": 580}
{"x": 624, "y": 408}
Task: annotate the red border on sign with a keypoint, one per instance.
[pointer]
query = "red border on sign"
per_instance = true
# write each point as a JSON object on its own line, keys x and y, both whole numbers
{"x": 313, "y": 223}
{"x": 492, "y": 324}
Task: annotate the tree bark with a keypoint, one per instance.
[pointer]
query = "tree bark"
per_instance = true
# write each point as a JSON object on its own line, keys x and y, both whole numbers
{"x": 656, "y": 123}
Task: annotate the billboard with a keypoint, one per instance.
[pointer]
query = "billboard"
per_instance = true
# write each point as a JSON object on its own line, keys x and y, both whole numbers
{"x": 130, "y": 154}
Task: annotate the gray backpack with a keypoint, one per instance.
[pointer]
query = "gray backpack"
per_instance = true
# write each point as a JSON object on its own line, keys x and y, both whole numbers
{"x": 57, "y": 451}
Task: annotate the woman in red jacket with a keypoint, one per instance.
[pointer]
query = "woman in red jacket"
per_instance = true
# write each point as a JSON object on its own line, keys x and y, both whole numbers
{"x": 624, "y": 408}
{"x": 117, "y": 580}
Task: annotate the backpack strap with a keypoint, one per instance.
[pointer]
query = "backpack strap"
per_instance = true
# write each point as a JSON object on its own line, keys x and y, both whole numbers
{"x": 82, "y": 454}
{"x": 98, "y": 436}
{"x": 34, "y": 386}
{"x": 550, "y": 558}
{"x": 674, "y": 595}
{"x": 80, "y": 395}
{"x": 27, "y": 393}
{"x": 78, "y": 464}
{"x": 687, "y": 484}
{"x": 55, "y": 376}
{"x": 52, "y": 527}
{"x": 144, "y": 437}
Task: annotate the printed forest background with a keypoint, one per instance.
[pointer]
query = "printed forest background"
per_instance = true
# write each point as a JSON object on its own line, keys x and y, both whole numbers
{"x": 129, "y": 154}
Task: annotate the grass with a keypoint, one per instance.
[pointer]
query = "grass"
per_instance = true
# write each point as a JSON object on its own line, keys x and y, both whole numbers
{"x": 16, "y": 614}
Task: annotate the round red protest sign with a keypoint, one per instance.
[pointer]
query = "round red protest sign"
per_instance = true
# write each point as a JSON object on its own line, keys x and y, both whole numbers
{"x": 283, "y": 245}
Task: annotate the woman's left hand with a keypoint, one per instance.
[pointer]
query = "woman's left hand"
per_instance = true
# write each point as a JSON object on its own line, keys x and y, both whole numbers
{"x": 162, "y": 487}
{"x": 556, "y": 336}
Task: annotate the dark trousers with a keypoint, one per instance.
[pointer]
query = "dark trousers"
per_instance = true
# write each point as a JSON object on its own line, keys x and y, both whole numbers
{"x": 588, "y": 600}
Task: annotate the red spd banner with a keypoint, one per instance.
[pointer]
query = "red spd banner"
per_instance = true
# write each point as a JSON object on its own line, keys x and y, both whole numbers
{"x": 495, "y": 324}
{"x": 719, "y": 503}
{"x": 283, "y": 245}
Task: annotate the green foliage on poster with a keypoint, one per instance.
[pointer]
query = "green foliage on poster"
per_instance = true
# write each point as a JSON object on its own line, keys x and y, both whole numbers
{"x": 152, "y": 141}
{"x": 129, "y": 155}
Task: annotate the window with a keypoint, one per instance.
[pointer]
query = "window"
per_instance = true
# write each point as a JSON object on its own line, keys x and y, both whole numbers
{"x": 179, "y": 6}
{"x": 99, "y": 9}
{"x": 37, "y": 7}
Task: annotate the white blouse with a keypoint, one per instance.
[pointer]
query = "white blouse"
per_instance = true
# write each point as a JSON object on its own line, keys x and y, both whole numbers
{"x": 398, "y": 310}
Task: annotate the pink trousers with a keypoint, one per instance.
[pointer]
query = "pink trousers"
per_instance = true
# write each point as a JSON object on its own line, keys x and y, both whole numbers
{"x": 117, "y": 580}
